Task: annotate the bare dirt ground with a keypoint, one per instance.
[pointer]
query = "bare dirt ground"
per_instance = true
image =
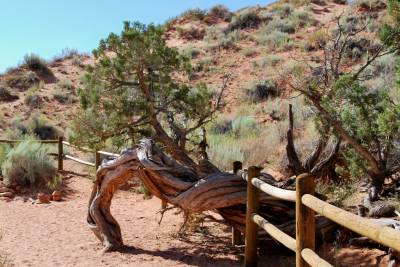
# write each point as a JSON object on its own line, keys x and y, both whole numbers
{"x": 56, "y": 234}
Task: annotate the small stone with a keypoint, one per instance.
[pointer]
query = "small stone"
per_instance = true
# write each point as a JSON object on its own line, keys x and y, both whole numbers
{"x": 43, "y": 198}
{"x": 56, "y": 196}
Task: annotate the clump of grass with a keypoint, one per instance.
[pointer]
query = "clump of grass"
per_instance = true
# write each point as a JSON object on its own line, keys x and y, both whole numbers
{"x": 142, "y": 189}
{"x": 28, "y": 164}
{"x": 205, "y": 64}
{"x": 316, "y": 40}
{"x": 33, "y": 99}
{"x": 221, "y": 12}
{"x": 23, "y": 81}
{"x": 226, "y": 41}
{"x": 194, "y": 14}
{"x": 64, "y": 92}
{"x": 39, "y": 126}
{"x": 191, "y": 52}
{"x": 249, "y": 52}
{"x": 190, "y": 33}
{"x": 6, "y": 95}
{"x": 261, "y": 91}
{"x": 270, "y": 60}
{"x": 246, "y": 19}
{"x": 277, "y": 40}
{"x": 55, "y": 183}
{"x": 338, "y": 192}
{"x": 37, "y": 64}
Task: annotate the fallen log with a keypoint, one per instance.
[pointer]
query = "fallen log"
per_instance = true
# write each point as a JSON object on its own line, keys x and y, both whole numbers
{"x": 192, "y": 190}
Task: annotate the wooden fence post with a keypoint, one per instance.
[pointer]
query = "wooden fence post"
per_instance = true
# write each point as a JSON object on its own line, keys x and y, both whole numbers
{"x": 97, "y": 160}
{"x": 60, "y": 153}
{"x": 236, "y": 234}
{"x": 305, "y": 218}
{"x": 251, "y": 226}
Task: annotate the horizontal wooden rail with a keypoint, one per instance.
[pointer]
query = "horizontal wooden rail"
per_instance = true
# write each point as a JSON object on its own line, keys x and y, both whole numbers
{"x": 275, "y": 232}
{"x": 80, "y": 161}
{"x": 105, "y": 153}
{"x": 84, "y": 149}
{"x": 313, "y": 259}
{"x": 40, "y": 141}
{"x": 363, "y": 226}
{"x": 274, "y": 191}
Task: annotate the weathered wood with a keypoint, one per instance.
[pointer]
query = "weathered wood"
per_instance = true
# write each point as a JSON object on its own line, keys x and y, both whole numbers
{"x": 105, "y": 153}
{"x": 60, "y": 153}
{"x": 305, "y": 218}
{"x": 190, "y": 189}
{"x": 19, "y": 141}
{"x": 313, "y": 259}
{"x": 83, "y": 149}
{"x": 251, "y": 226}
{"x": 275, "y": 232}
{"x": 80, "y": 161}
{"x": 280, "y": 193}
{"x": 97, "y": 160}
{"x": 363, "y": 226}
{"x": 236, "y": 234}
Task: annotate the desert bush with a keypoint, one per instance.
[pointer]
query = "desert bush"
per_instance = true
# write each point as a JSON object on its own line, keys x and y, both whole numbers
{"x": 36, "y": 64}
{"x": 270, "y": 60}
{"x": 66, "y": 85}
{"x": 191, "y": 52}
{"x": 204, "y": 64}
{"x": 6, "y": 95}
{"x": 220, "y": 11}
{"x": 191, "y": 33}
{"x": 212, "y": 33}
{"x": 33, "y": 99}
{"x": 282, "y": 25}
{"x": 244, "y": 125}
{"x": 226, "y": 41}
{"x": 243, "y": 20}
{"x": 69, "y": 53}
{"x": 371, "y": 5}
{"x": 23, "y": 81}
{"x": 316, "y": 40}
{"x": 221, "y": 126}
{"x": 249, "y": 52}
{"x": 28, "y": 164}
{"x": 63, "y": 97}
{"x": 261, "y": 91}
{"x": 194, "y": 14}
{"x": 39, "y": 126}
{"x": 284, "y": 10}
{"x": 276, "y": 40}
{"x": 338, "y": 192}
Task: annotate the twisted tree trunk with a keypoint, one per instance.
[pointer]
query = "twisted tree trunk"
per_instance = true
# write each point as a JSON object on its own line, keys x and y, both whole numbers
{"x": 193, "y": 190}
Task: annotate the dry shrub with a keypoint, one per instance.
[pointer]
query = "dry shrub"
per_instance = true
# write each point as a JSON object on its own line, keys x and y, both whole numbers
{"x": 28, "y": 164}
{"x": 23, "y": 81}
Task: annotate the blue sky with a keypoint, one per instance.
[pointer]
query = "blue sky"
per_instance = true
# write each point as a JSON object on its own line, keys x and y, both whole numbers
{"x": 45, "y": 27}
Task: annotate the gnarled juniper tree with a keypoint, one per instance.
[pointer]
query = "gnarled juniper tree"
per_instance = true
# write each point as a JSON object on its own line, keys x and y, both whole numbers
{"x": 138, "y": 86}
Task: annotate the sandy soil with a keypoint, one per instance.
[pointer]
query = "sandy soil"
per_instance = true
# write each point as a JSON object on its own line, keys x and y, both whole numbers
{"x": 56, "y": 234}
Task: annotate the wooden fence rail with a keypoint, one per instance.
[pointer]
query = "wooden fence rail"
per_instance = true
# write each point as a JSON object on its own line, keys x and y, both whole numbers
{"x": 306, "y": 207}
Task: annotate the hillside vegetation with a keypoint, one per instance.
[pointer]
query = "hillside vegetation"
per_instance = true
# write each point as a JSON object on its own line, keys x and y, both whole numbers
{"x": 258, "y": 48}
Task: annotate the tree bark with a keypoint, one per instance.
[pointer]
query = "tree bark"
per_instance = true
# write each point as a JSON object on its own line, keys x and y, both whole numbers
{"x": 179, "y": 185}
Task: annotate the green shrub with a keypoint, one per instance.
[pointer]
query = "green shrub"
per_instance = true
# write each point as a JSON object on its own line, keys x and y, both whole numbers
{"x": 63, "y": 97}
{"x": 316, "y": 40}
{"x": 204, "y": 64}
{"x": 281, "y": 25}
{"x": 33, "y": 99}
{"x": 194, "y": 14}
{"x": 226, "y": 41}
{"x": 28, "y": 164}
{"x": 270, "y": 60}
{"x": 371, "y": 5}
{"x": 244, "y": 125}
{"x": 276, "y": 40}
{"x": 39, "y": 126}
{"x": 6, "y": 95}
{"x": 221, "y": 126}
{"x": 244, "y": 20}
{"x": 212, "y": 33}
{"x": 191, "y": 52}
{"x": 249, "y": 52}
{"x": 261, "y": 91}
{"x": 220, "y": 11}
{"x": 36, "y": 64}
{"x": 23, "y": 81}
{"x": 285, "y": 10}
{"x": 191, "y": 33}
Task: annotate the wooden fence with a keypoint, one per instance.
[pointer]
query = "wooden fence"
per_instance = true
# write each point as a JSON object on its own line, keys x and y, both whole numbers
{"x": 306, "y": 207}
{"x": 61, "y": 155}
